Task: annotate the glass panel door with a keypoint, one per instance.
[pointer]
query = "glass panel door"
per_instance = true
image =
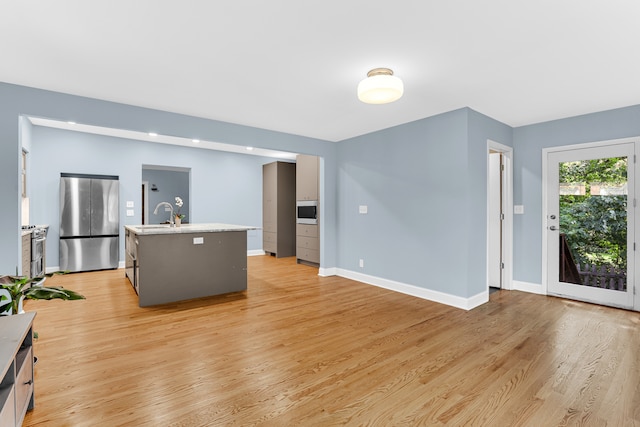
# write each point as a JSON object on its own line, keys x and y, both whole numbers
{"x": 589, "y": 224}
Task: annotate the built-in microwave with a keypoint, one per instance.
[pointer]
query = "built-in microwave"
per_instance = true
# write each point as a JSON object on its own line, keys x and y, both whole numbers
{"x": 307, "y": 212}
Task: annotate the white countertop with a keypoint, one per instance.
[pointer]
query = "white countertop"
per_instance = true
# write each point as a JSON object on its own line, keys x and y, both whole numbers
{"x": 187, "y": 228}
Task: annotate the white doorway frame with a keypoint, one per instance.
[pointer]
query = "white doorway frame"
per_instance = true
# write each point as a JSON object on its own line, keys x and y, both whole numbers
{"x": 145, "y": 197}
{"x": 507, "y": 225}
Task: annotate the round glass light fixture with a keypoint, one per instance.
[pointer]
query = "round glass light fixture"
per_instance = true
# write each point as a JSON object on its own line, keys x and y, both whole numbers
{"x": 380, "y": 87}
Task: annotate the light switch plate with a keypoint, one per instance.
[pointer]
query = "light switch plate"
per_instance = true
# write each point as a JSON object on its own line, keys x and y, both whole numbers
{"x": 129, "y": 203}
{"x": 198, "y": 240}
{"x": 363, "y": 209}
{"x": 518, "y": 209}
{"x": 130, "y": 212}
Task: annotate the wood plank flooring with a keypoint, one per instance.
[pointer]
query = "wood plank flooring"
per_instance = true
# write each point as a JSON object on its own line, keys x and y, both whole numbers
{"x": 301, "y": 350}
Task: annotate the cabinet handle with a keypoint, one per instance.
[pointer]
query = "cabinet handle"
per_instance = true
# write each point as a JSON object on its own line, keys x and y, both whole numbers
{"x": 29, "y": 382}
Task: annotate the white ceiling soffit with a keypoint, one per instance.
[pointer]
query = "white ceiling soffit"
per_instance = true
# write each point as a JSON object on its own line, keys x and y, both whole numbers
{"x": 293, "y": 66}
{"x": 162, "y": 139}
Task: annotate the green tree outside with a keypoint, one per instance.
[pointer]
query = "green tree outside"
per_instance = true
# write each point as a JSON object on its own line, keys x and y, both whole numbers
{"x": 595, "y": 225}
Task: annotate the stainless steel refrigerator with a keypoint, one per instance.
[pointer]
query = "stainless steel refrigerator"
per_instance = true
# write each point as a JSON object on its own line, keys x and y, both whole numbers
{"x": 89, "y": 222}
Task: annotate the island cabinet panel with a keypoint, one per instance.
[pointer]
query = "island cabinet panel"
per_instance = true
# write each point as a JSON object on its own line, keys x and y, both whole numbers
{"x": 131, "y": 258}
{"x": 279, "y": 209}
{"x": 16, "y": 361}
{"x": 178, "y": 265}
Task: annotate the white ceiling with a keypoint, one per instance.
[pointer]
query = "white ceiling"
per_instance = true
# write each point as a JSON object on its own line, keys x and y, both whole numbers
{"x": 293, "y": 65}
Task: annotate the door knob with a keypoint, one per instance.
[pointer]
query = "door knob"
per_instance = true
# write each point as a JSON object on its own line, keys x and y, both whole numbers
{"x": 552, "y": 217}
{"x": 553, "y": 228}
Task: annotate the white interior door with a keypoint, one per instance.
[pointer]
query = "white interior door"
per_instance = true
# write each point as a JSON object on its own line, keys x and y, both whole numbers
{"x": 590, "y": 224}
{"x": 495, "y": 221}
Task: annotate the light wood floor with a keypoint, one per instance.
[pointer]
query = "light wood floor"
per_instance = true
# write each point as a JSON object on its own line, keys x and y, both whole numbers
{"x": 300, "y": 350}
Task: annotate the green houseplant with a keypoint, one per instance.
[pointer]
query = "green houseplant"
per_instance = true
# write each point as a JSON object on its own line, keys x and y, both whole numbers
{"x": 20, "y": 288}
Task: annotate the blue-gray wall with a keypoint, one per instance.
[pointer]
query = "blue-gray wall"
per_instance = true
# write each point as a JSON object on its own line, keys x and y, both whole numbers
{"x": 425, "y": 187}
{"x": 527, "y": 179}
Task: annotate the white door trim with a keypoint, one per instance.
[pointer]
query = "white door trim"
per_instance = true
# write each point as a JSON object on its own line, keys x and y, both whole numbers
{"x": 145, "y": 197}
{"x": 507, "y": 194}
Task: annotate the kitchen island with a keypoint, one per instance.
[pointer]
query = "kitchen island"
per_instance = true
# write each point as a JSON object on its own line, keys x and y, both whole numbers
{"x": 167, "y": 264}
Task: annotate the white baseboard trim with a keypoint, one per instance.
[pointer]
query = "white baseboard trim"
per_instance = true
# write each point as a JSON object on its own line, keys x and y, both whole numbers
{"x": 326, "y": 272}
{"x": 255, "y": 252}
{"x": 416, "y": 291}
{"x": 534, "y": 288}
{"x": 477, "y": 300}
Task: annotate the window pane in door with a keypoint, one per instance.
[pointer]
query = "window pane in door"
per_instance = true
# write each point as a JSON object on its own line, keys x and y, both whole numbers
{"x": 593, "y": 222}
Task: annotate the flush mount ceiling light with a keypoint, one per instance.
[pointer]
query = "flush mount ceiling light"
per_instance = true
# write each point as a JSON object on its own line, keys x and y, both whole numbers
{"x": 380, "y": 87}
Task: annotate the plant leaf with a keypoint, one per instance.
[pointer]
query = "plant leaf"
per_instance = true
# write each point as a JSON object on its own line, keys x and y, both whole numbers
{"x": 5, "y": 307}
{"x": 54, "y": 292}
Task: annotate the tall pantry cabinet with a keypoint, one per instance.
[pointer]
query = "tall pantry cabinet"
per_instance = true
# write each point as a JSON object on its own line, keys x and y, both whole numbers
{"x": 307, "y": 189}
{"x": 279, "y": 209}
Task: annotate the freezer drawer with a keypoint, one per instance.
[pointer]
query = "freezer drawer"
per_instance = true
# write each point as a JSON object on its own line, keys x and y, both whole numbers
{"x": 85, "y": 254}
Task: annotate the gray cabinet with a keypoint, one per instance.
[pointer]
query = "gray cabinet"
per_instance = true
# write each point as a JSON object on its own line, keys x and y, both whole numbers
{"x": 181, "y": 263}
{"x": 307, "y": 172}
{"x": 16, "y": 360}
{"x": 279, "y": 209}
{"x": 26, "y": 253}
{"x": 307, "y": 188}
{"x": 308, "y": 243}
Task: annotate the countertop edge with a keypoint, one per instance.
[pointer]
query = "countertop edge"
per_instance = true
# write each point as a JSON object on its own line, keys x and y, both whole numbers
{"x": 143, "y": 230}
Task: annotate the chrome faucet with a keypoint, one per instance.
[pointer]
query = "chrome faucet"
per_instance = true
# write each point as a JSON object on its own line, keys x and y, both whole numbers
{"x": 155, "y": 211}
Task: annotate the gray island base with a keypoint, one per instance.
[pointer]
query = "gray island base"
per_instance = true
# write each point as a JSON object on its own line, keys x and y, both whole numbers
{"x": 169, "y": 264}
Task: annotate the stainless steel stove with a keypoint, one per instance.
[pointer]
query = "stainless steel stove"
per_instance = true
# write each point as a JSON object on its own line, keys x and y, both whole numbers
{"x": 38, "y": 248}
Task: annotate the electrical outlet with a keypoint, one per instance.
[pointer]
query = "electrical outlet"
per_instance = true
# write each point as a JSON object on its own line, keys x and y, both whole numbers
{"x": 361, "y": 263}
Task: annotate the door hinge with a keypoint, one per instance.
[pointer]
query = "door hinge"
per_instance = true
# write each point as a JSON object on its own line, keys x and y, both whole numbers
{"x": 634, "y": 246}
{"x": 502, "y": 167}
{"x": 502, "y": 265}
{"x": 634, "y": 202}
{"x": 502, "y": 217}
{"x": 634, "y": 158}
